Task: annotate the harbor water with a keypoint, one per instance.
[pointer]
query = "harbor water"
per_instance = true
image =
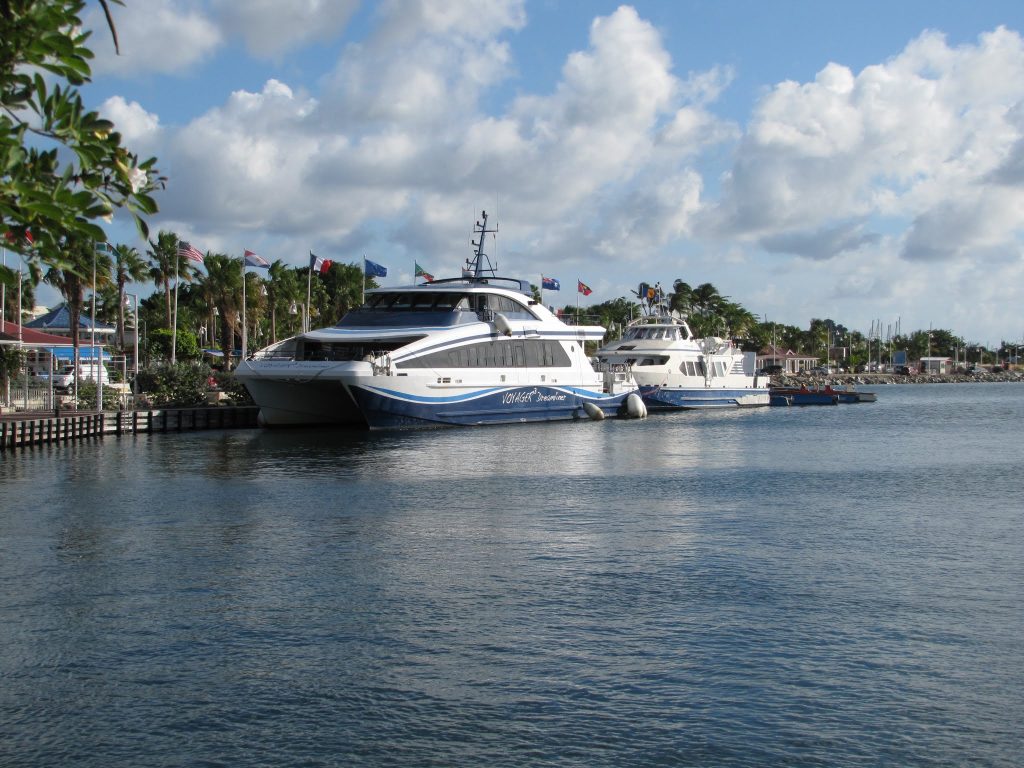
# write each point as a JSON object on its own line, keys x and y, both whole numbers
{"x": 813, "y": 586}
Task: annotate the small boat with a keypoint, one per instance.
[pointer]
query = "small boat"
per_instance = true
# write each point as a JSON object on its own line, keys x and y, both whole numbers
{"x": 803, "y": 396}
{"x": 476, "y": 349}
{"x": 850, "y": 395}
{"x": 677, "y": 371}
{"x": 821, "y": 395}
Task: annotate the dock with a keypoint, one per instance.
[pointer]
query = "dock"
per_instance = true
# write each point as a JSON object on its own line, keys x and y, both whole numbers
{"x": 24, "y": 430}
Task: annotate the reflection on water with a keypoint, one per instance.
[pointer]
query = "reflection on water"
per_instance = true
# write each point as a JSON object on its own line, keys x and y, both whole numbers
{"x": 760, "y": 587}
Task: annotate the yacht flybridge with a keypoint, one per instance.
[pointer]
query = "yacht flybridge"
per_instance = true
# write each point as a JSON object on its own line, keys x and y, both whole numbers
{"x": 475, "y": 349}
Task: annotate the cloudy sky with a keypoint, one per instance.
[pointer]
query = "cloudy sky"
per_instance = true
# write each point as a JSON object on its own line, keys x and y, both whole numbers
{"x": 860, "y": 161}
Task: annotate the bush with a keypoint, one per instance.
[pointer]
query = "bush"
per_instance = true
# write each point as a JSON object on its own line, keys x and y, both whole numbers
{"x": 229, "y": 384}
{"x": 183, "y": 384}
{"x": 87, "y": 391}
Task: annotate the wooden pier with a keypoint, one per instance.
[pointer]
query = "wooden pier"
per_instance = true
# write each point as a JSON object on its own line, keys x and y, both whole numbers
{"x": 26, "y": 430}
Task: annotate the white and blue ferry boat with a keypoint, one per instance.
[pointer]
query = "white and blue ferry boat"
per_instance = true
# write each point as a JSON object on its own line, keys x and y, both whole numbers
{"x": 675, "y": 370}
{"x": 476, "y": 349}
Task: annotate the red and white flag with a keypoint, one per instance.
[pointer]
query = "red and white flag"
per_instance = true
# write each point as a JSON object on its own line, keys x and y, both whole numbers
{"x": 189, "y": 251}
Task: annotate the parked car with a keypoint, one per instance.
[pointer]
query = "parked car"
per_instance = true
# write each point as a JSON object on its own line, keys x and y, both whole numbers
{"x": 65, "y": 378}
{"x": 902, "y": 370}
{"x": 823, "y": 370}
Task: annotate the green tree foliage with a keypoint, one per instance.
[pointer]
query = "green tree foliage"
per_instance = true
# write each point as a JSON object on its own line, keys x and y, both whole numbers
{"x": 221, "y": 288}
{"x": 158, "y": 344}
{"x": 183, "y": 384}
{"x": 129, "y": 266}
{"x": 74, "y": 274}
{"x": 63, "y": 167}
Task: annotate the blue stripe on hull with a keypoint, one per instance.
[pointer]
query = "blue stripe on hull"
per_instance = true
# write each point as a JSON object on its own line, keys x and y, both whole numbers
{"x": 383, "y": 409}
{"x": 663, "y": 398}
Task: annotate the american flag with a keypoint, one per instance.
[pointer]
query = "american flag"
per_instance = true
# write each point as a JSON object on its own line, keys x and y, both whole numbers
{"x": 189, "y": 251}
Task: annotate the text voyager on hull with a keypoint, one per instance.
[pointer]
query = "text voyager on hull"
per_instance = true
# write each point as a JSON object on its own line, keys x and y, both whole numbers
{"x": 476, "y": 349}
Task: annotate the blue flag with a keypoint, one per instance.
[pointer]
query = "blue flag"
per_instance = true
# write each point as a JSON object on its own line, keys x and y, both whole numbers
{"x": 373, "y": 269}
{"x": 549, "y": 284}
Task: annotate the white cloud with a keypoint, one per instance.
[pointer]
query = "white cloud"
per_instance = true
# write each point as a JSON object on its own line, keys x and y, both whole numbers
{"x": 918, "y": 138}
{"x": 158, "y": 36}
{"x": 271, "y": 28}
{"x": 598, "y": 166}
{"x": 140, "y": 130}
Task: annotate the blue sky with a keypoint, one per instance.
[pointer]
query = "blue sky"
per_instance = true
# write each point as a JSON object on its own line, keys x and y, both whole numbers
{"x": 860, "y": 161}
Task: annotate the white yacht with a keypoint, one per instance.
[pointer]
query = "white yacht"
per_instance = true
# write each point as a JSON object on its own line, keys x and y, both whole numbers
{"x": 675, "y": 370}
{"x": 476, "y": 349}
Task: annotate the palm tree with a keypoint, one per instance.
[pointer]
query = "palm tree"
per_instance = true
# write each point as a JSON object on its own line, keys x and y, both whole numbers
{"x": 221, "y": 289}
{"x": 739, "y": 321}
{"x": 283, "y": 290}
{"x": 681, "y": 298}
{"x": 165, "y": 264}
{"x": 79, "y": 258}
{"x": 128, "y": 267}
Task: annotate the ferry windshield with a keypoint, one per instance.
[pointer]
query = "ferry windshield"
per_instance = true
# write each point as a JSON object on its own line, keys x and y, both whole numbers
{"x": 411, "y": 308}
{"x": 332, "y": 351}
{"x": 656, "y": 332}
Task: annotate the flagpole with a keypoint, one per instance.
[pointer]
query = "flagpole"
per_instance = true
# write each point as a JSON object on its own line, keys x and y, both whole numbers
{"x": 96, "y": 366}
{"x": 309, "y": 285}
{"x": 3, "y": 320}
{"x": 3, "y": 295}
{"x": 244, "y": 328}
{"x": 362, "y": 299}
{"x": 21, "y": 279}
{"x": 174, "y": 328}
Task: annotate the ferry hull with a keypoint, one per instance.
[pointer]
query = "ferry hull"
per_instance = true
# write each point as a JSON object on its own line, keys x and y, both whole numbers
{"x": 285, "y": 404}
{"x": 384, "y": 408}
{"x": 691, "y": 398}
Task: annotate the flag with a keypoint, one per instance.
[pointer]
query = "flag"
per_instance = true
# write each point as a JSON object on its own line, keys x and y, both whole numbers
{"x": 104, "y": 248}
{"x": 13, "y": 238}
{"x": 319, "y": 265}
{"x": 583, "y": 287}
{"x": 549, "y": 284}
{"x": 189, "y": 251}
{"x": 255, "y": 260}
{"x": 373, "y": 269}
{"x": 420, "y": 272}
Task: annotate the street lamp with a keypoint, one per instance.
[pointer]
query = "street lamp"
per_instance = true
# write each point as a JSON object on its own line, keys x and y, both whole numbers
{"x": 135, "y": 300}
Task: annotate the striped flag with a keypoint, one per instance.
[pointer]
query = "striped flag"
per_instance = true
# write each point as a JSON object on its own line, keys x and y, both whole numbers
{"x": 255, "y": 260}
{"x": 189, "y": 251}
{"x": 420, "y": 272}
{"x": 317, "y": 264}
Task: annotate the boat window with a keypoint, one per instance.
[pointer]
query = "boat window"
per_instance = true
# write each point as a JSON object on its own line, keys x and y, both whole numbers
{"x": 700, "y": 368}
{"x": 341, "y": 351}
{"x": 506, "y": 306}
{"x": 498, "y": 353}
{"x": 283, "y": 350}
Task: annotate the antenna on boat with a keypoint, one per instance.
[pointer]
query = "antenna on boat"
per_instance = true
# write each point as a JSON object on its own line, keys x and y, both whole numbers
{"x": 480, "y": 263}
